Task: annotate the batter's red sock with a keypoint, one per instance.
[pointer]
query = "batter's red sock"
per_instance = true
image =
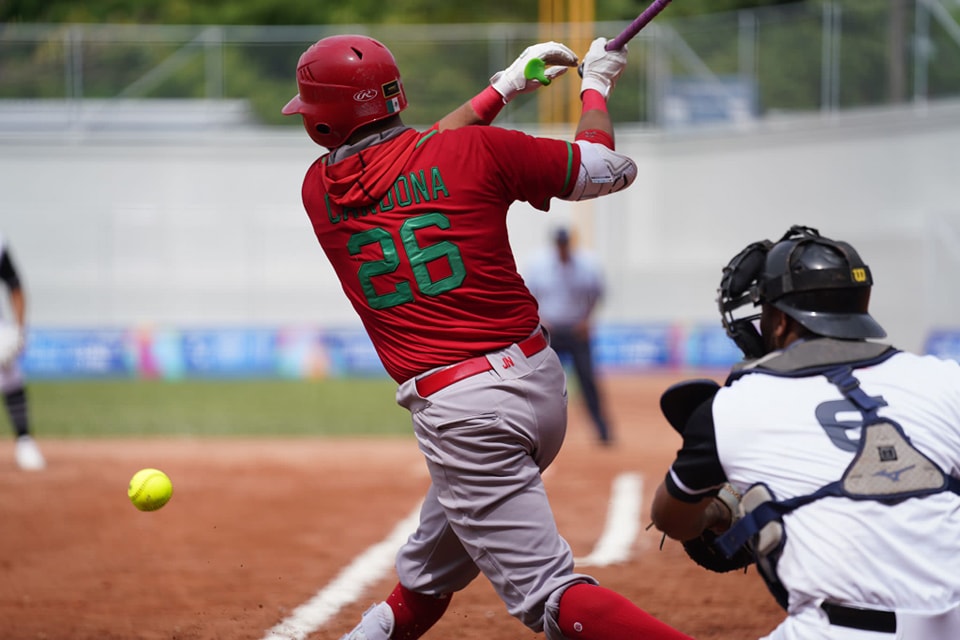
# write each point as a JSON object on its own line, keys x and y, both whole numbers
{"x": 589, "y": 612}
{"x": 414, "y": 613}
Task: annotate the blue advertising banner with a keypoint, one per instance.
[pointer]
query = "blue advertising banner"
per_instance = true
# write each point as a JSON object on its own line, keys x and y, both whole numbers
{"x": 229, "y": 352}
{"x": 709, "y": 347}
{"x": 634, "y": 347}
{"x": 350, "y": 353}
{"x": 944, "y": 343}
{"x": 305, "y": 352}
{"x": 78, "y": 353}
{"x": 301, "y": 353}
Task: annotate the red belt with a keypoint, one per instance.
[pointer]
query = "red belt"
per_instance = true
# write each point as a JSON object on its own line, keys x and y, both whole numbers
{"x": 430, "y": 384}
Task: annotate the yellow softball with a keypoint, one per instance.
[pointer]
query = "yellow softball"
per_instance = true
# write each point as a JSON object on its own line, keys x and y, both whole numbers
{"x": 149, "y": 489}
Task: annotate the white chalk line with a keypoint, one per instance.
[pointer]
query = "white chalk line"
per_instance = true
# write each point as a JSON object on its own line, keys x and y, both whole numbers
{"x": 620, "y": 530}
{"x": 349, "y": 585}
{"x": 622, "y": 525}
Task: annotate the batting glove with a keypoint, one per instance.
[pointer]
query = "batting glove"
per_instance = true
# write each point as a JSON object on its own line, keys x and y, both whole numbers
{"x": 601, "y": 68}
{"x": 513, "y": 80}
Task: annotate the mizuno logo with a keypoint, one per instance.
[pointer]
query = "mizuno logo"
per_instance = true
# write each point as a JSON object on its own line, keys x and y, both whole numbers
{"x": 894, "y": 476}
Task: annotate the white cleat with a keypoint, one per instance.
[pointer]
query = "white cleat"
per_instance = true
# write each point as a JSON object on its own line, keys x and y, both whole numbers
{"x": 28, "y": 455}
{"x": 376, "y": 624}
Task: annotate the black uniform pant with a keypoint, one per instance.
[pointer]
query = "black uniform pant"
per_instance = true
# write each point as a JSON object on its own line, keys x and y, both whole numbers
{"x": 573, "y": 348}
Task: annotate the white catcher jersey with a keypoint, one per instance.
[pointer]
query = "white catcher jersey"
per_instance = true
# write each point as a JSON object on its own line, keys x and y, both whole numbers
{"x": 797, "y": 434}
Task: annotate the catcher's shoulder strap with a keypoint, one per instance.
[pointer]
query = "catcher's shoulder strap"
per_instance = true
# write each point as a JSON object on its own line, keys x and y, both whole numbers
{"x": 812, "y": 357}
{"x": 768, "y": 542}
{"x": 886, "y": 468}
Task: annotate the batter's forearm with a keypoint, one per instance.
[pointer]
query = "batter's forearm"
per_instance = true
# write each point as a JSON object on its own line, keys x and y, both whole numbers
{"x": 479, "y": 110}
{"x": 594, "y": 116}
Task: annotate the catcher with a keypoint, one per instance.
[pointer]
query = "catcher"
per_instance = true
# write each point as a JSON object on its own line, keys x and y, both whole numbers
{"x": 846, "y": 452}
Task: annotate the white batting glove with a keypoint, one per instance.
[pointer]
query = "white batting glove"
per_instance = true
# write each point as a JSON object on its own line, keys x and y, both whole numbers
{"x": 513, "y": 81}
{"x": 601, "y": 68}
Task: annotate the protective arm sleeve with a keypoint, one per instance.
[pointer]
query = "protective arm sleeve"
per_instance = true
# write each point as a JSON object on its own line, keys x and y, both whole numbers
{"x": 602, "y": 171}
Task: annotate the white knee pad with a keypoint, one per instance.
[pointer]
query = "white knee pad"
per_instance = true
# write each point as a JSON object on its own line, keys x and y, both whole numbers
{"x": 376, "y": 624}
{"x": 602, "y": 171}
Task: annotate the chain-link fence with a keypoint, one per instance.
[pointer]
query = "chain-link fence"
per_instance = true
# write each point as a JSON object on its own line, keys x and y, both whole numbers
{"x": 725, "y": 67}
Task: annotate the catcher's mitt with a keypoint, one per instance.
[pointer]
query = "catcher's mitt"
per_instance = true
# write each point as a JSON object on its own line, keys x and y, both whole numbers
{"x": 705, "y": 553}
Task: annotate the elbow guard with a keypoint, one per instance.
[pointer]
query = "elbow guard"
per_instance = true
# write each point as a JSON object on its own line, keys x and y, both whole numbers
{"x": 602, "y": 171}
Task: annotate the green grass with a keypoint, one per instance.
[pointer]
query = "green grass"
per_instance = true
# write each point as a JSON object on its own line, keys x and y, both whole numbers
{"x": 114, "y": 408}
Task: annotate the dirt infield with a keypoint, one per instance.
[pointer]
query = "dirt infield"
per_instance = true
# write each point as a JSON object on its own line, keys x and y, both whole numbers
{"x": 256, "y": 528}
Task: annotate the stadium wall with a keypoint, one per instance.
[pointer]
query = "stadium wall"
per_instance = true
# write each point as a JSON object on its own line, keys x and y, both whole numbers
{"x": 159, "y": 230}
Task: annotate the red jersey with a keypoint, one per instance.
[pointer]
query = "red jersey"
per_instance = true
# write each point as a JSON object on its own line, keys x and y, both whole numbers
{"x": 415, "y": 228}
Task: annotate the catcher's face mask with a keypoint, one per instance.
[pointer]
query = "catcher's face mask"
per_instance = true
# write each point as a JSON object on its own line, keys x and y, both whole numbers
{"x": 740, "y": 286}
{"x": 822, "y": 284}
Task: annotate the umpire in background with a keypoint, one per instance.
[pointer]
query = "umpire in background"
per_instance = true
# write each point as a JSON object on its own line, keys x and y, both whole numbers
{"x": 568, "y": 286}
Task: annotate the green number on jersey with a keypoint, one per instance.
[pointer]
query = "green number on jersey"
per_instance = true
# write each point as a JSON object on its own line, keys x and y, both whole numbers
{"x": 419, "y": 257}
{"x": 388, "y": 264}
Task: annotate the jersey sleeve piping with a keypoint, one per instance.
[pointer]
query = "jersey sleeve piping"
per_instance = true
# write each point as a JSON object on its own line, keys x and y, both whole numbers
{"x": 429, "y": 134}
{"x": 569, "y": 176}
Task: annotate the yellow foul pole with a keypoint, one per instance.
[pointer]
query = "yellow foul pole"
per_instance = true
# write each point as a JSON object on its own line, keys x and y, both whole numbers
{"x": 570, "y": 22}
{"x": 581, "y": 29}
{"x": 582, "y": 18}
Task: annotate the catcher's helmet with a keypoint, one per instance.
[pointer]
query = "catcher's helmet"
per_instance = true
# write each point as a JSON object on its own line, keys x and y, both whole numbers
{"x": 822, "y": 284}
{"x": 345, "y": 82}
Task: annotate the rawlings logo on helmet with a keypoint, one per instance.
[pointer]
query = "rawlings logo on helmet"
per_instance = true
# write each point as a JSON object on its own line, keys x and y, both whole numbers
{"x": 365, "y": 95}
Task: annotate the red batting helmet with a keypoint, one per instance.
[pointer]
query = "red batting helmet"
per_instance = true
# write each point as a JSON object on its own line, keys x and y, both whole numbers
{"x": 345, "y": 82}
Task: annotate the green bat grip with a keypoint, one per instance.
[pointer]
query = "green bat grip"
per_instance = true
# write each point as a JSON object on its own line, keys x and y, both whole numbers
{"x": 534, "y": 70}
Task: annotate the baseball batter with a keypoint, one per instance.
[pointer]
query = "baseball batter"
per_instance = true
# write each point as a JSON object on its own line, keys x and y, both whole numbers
{"x": 414, "y": 224}
{"x": 846, "y": 452}
{"x": 12, "y": 385}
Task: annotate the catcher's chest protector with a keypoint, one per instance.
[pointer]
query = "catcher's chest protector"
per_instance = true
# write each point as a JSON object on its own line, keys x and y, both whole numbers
{"x": 886, "y": 468}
